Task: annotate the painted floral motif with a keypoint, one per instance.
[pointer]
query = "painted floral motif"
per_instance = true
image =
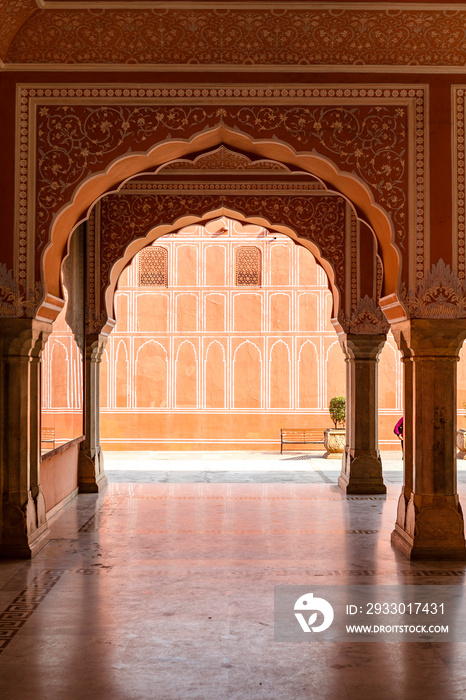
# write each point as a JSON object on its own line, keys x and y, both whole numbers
{"x": 369, "y": 141}
{"x": 13, "y": 301}
{"x": 13, "y": 13}
{"x": 367, "y": 318}
{"x": 255, "y": 37}
{"x": 79, "y": 130}
{"x": 441, "y": 294}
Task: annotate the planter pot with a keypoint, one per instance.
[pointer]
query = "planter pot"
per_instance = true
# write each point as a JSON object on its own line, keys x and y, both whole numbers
{"x": 461, "y": 443}
{"x": 334, "y": 441}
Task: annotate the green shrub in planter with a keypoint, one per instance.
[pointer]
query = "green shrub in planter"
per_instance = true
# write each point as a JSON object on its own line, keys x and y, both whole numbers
{"x": 337, "y": 410}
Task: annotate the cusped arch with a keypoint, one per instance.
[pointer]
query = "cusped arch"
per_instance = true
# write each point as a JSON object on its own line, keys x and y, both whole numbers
{"x": 156, "y": 232}
{"x": 123, "y": 168}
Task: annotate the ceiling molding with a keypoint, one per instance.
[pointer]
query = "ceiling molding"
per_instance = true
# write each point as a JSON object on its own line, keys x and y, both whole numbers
{"x": 353, "y": 37}
{"x": 190, "y": 69}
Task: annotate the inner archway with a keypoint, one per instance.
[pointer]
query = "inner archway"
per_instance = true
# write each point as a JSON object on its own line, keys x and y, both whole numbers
{"x": 227, "y": 326}
{"x": 210, "y": 362}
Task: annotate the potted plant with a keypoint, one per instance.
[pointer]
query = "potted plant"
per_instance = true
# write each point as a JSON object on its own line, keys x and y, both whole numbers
{"x": 334, "y": 438}
{"x": 461, "y": 439}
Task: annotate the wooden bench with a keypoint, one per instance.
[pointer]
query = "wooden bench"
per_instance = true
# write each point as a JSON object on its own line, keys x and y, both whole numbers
{"x": 297, "y": 436}
{"x": 47, "y": 437}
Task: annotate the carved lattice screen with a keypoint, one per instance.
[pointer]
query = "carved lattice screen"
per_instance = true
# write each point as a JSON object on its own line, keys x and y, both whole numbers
{"x": 153, "y": 267}
{"x": 248, "y": 268}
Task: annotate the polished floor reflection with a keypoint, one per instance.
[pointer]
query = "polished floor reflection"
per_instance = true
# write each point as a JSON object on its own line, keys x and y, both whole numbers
{"x": 164, "y": 591}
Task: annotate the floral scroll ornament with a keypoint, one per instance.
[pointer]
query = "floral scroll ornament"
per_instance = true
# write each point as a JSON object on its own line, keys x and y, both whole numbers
{"x": 236, "y": 36}
{"x": 366, "y": 318}
{"x": 95, "y": 323}
{"x": 13, "y": 301}
{"x": 441, "y": 294}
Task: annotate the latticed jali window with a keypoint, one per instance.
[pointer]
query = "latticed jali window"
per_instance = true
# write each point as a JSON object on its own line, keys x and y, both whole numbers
{"x": 153, "y": 267}
{"x": 248, "y": 268}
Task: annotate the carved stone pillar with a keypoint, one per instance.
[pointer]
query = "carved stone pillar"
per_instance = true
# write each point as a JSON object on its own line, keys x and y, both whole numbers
{"x": 408, "y": 429}
{"x": 361, "y": 464}
{"x": 23, "y": 522}
{"x": 91, "y": 475}
{"x": 429, "y": 521}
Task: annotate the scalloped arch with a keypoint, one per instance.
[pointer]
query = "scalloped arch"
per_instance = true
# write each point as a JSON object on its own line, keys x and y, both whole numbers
{"x": 126, "y": 167}
{"x": 154, "y": 233}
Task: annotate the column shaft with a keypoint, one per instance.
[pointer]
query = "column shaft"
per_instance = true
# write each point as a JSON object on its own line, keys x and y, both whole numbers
{"x": 429, "y": 521}
{"x": 91, "y": 473}
{"x": 361, "y": 464}
{"x": 23, "y": 527}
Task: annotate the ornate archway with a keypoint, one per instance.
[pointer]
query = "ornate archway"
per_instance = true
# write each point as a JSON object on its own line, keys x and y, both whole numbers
{"x": 263, "y": 193}
{"x": 89, "y": 140}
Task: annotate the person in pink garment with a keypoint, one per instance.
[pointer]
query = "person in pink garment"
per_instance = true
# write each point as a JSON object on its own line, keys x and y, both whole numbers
{"x": 398, "y": 430}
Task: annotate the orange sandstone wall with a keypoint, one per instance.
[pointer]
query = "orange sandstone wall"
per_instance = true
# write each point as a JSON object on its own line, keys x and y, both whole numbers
{"x": 207, "y": 363}
{"x": 59, "y": 475}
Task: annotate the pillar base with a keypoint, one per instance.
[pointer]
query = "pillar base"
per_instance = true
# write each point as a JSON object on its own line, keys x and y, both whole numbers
{"x": 21, "y": 538}
{"x": 433, "y": 529}
{"x": 407, "y": 545}
{"x": 361, "y": 473}
{"x": 92, "y": 478}
{"x": 27, "y": 549}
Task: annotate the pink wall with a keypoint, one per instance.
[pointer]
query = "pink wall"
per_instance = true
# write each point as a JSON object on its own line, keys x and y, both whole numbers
{"x": 206, "y": 364}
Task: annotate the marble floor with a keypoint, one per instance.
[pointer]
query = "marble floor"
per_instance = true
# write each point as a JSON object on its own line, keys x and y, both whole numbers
{"x": 161, "y": 588}
{"x": 238, "y": 467}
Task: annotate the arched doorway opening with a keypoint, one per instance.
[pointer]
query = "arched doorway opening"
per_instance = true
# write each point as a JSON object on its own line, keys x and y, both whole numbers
{"x": 221, "y": 339}
{"x": 349, "y": 319}
{"x": 294, "y": 205}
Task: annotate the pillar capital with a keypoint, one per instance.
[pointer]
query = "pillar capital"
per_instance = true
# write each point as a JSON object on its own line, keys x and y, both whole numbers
{"x": 23, "y": 337}
{"x": 362, "y": 347}
{"x": 95, "y": 344}
{"x": 423, "y": 337}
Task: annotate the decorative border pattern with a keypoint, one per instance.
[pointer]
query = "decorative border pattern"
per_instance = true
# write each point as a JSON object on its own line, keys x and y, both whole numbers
{"x": 459, "y": 97}
{"x": 252, "y": 37}
{"x": 354, "y": 260}
{"x": 188, "y": 187}
{"x": 94, "y": 317}
{"x": 259, "y": 111}
{"x": 379, "y": 277}
{"x": 25, "y": 604}
{"x": 422, "y": 242}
